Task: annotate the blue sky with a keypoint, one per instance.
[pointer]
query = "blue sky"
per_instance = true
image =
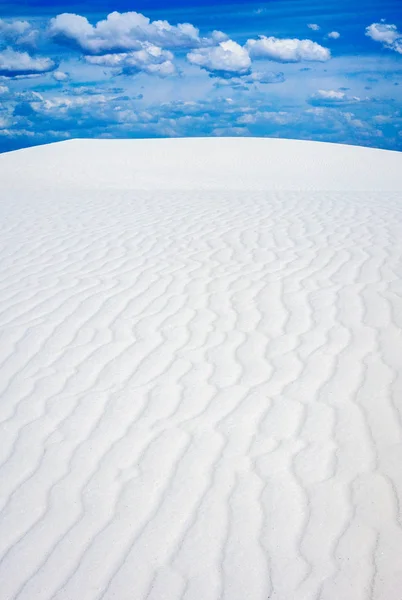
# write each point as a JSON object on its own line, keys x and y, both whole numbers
{"x": 305, "y": 69}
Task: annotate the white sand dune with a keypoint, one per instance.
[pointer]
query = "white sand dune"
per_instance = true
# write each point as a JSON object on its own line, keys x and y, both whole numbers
{"x": 201, "y": 371}
{"x": 204, "y": 164}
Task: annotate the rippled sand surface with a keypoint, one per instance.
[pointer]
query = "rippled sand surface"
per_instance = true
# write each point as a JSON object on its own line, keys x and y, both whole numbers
{"x": 201, "y": 371}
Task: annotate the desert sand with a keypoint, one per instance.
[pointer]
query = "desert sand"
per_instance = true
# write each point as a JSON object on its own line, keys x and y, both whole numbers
{"x": 200, "y": 371}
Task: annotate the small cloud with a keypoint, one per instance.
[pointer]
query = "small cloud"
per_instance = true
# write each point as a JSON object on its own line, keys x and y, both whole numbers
{"x": 266, "y": 78}
{"x": 150, "y": 59}
{"x": 387, "y": 35}
{"x": 351, "y": 120}
{"x": 230, "y": 131}
{"x": 17, "y": 33}
{"x": 4, "y": 123}
{"x": 244, "y": 81}
{"x": 314, "y": 26}
{"x": 216, "y": 37}
{"x": 382, "y": 119}
{"x": 17, "y": 133}
{"x": 20, "y": 64}
{"x": 227, "y": 59}
{"x": 60, "y": 76}
{"x": 261, "y": 117}
{"x": 287, "y": 50}
{"x": 332, "y": 98}
{"x": 335, "y": 35}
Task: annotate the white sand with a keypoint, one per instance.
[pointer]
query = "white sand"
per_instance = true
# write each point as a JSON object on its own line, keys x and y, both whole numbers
{"x": 201, "y": 371}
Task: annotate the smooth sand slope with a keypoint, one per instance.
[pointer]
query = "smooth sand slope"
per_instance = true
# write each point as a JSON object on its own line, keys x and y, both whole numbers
{"x": 201, "y": 371}
{"x": 204, "y": 164}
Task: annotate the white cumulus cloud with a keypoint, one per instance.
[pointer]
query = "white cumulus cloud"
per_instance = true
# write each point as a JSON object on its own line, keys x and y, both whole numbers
{"x": 14, "y": 64}
{"x": 334, "y": 35}
{"x": 387, "y": 35}
{"x": 314, "y": 26}
{"x": 121, "y": 32}
{"x": 228, "y": 58}
{"x": 287, "y": 50}
{"x": 150, "y": 59}
{"x": 17, "y": 33}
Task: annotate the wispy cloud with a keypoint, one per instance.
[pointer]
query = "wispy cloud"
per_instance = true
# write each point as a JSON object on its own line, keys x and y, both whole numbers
{"x": 332, "y": 98}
